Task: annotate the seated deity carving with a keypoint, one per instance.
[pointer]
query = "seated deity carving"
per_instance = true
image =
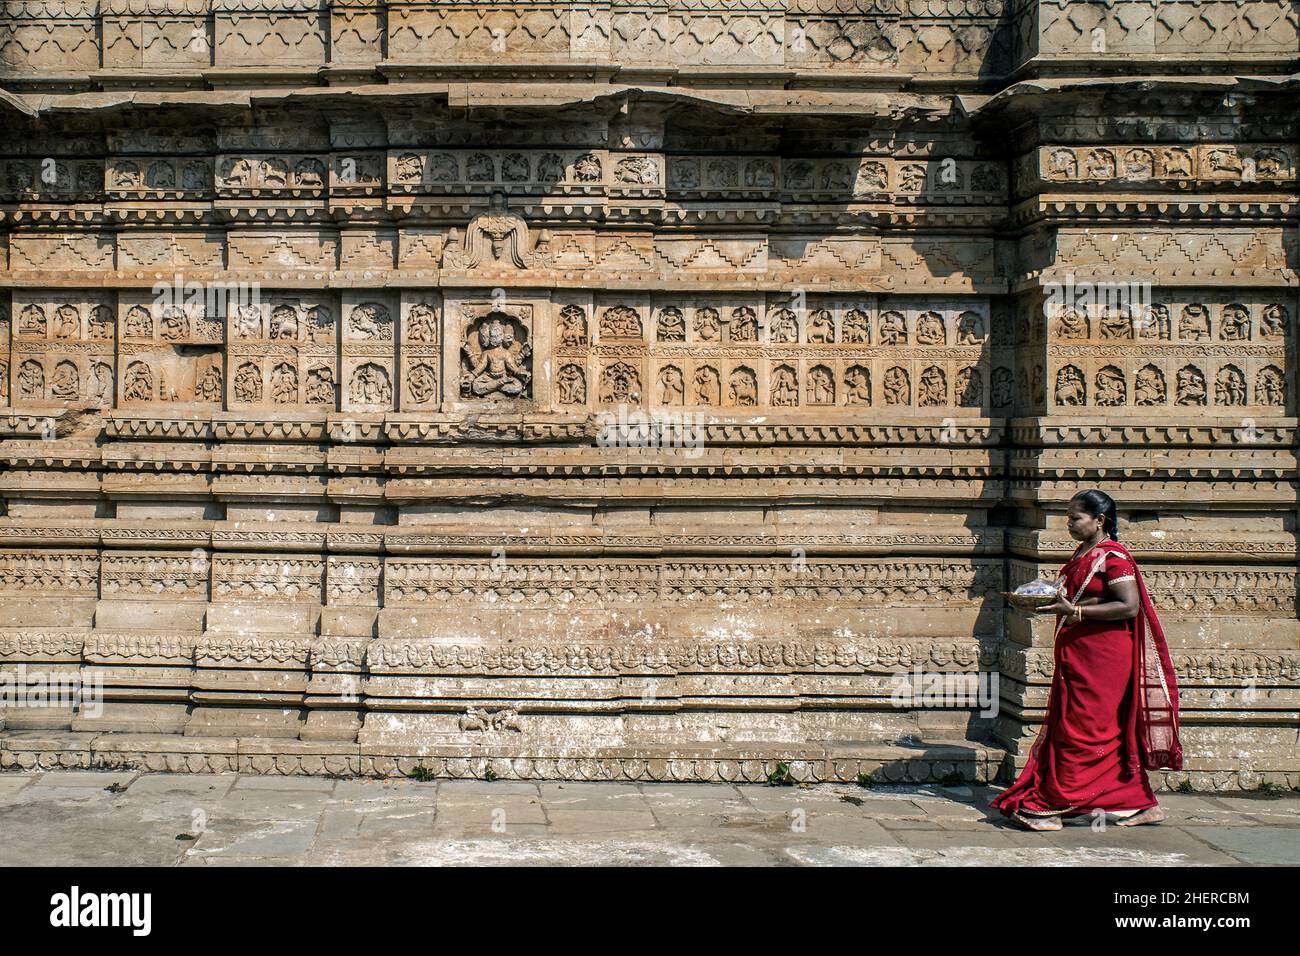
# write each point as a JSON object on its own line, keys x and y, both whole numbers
{"x": 893, "y": 329}
{"x": 930, "y": 329}
{"x": 320, "y": 385}
{"x": 494, "y": 360}
{"x": 672, "y": 325}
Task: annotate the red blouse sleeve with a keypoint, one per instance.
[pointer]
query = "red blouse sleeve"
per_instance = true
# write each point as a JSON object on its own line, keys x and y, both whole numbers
{"x": 1118, "y": 568}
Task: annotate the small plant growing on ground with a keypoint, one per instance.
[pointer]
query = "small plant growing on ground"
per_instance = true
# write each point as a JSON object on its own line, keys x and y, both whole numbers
{"x": 421, "y": 774}
{"x": 1269, "y": 789}
{"x": 953, "y": 779}
{"x": 1185, "y": 787}
{"x": 489, "y": 774}
{"x": 864, "y": 780}
{"x": 781, "y": 776}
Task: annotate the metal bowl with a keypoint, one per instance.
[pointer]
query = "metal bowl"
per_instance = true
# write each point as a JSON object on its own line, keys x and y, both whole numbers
{"x": 1029, "y": 602}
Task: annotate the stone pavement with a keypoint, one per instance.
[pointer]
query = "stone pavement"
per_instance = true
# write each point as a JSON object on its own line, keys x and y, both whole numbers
{"x": 104, "y": 818}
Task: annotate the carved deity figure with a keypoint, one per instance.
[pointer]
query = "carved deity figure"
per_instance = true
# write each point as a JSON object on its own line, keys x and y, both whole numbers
{"x": 572, "y": 386}
{"x": 573, "y": 326}
{"x": 137, "y": 383}
{"x": 821, "y": 326}
{"x": 970, "y": 388}
{"x": 1111, "y": 389}
{"x": 1070, "y": 388}
{"x": 248, "y": 322}
{"x": 857, "y": 327}
{"x": 620, "y": 384}
{"x": 139, "y": 324}
{"x": 672, "y": 388}
{"x": 496, "y": 238}
{"x": 933, "y": 387}
{"x": 67, "y": 322}
{"x": 784, "y": 327}
{"x": 248, "y": 384}
{"x": 1273, "y": 322}
{"x": 495, "y": 364}
{"x": 1229, "y": 387}
{"x": 1235, "y": 326}
{"x": 785, "y": 388}
{"x": 422, "y": 383}
{"x": 1149, "y": 386}
{"x": 708, "y": 387}
{"x": 31, "y": 380}
{"x": 1190, "y": 386}
{"x": 893, "y": 328}
{"x": 742, "y": 388}
{"x": 370, "y": 385}
{"x": 101, "y": 387}
{"x": 857, "y": 385}
{"x": 897, "y": 386}
{"x": 1270, "y": 389}
{"x": 65, "y": 383}
{"x": 320, "y": 385}
{"x": 1003, "y": 387}
{"x": 1195, "y": 323}
{"x": 208, "y": 386}
{"x": 284, "y": 384}
{"x": 175, "y": 324}
{"x": 672, "y": 325}
{"x": 707, "y": 324}
{"x": 970, "y": 329}
{"x": 821, "y": 386}
{"x": 930, "y": 330}
{"x": 421, "y": 324}
{"x": 1073, "y": 324}
{"x": 1115, "y": 324}
{"x": 744, "y": 325}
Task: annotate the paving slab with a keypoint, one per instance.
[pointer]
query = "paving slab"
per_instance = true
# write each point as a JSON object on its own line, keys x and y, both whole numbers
{"x": 203, "y": 784}
{"x": 13, "y": 782}
{"x": 92, "y": 779}
{"x": 310, "y": 784}
{"x": 598, "y": 821}
{"x": 68, "y": 818}
{"x": 1271, "y": 845}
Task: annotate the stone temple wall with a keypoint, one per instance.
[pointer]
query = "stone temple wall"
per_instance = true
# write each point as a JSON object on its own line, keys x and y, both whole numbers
{"x": 328, "y": 329}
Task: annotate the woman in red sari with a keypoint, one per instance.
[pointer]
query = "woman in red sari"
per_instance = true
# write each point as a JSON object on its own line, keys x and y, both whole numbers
{"x": 1112, "y": 712}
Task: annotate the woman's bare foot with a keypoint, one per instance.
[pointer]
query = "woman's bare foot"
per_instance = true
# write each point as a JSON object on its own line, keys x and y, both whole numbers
{"x": 1149, "y": 815}
{"x": 1038, "y": 823}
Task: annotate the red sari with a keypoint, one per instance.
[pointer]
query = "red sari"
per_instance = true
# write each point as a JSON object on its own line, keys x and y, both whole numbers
{"x": 1113, "y": 705}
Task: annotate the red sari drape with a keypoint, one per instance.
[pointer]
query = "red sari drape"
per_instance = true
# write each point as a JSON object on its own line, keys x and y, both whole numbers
{"x": 1112, "y": 711}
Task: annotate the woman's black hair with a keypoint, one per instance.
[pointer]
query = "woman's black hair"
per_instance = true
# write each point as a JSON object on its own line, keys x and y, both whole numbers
{"x": 1100, "y": 505}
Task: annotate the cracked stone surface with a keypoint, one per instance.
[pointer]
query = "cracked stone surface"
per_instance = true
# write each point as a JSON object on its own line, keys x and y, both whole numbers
{"x": 70, "y": 818}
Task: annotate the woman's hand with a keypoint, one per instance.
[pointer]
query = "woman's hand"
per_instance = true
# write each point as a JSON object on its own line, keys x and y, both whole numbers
{"x": 1059, "y": 606}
